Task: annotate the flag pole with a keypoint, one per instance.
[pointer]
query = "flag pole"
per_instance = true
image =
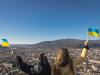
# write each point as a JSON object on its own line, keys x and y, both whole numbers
{"x": 87, "y": 35}
{"x": 12, "y": 52}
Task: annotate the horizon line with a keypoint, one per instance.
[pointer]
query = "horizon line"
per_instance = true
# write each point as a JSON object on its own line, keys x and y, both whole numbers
{"x": 46, "y": 41}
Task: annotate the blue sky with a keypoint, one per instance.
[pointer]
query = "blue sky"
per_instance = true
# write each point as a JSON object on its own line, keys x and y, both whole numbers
{"x": 33, "y": 21}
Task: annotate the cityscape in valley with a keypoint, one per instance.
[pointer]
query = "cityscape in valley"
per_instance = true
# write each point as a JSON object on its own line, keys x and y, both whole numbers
{"x": 30, "y": 54}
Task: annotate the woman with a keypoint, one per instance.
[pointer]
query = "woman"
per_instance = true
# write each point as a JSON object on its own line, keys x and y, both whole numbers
{"x": 41, "y": 68}
{"x": 64, "y": 64}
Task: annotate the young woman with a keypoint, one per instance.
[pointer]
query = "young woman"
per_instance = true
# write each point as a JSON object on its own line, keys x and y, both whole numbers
{"x": 64, "y": 64}
{"x": 41, "y": 68}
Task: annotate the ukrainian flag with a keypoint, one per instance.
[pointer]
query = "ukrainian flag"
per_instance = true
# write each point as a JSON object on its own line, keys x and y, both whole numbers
{"x": 93, "y": 32}
{"x": 5, "y": 43}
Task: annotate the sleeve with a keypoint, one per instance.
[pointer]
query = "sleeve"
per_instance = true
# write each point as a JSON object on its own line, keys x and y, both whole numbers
{"x": 23, "y": 66}
{"x": 82, "y": 58}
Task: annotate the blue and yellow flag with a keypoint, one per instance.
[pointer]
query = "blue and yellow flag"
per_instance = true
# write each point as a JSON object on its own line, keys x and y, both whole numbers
{"x": 5, "y": 43}
{"x": 93, "y": 32}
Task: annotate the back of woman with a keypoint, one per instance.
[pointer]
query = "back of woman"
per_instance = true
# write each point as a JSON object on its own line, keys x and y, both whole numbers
{"x": 43, "y": 66}
{"x": 63, "y": 70}
{"x": 63, "y": 64}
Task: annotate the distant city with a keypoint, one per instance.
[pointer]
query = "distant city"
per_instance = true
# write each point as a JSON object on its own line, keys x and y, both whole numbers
{"x": 30, "y": 54}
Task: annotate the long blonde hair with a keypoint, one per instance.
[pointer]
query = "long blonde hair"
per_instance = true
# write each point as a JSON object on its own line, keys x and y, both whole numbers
{"x": 63, "y": 59}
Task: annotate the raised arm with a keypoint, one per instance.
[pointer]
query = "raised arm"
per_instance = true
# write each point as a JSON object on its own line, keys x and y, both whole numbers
{"x": 83, "y": 56}
{"x": 23, "y": 66}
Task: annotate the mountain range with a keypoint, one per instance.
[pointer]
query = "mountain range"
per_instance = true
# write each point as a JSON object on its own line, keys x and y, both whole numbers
{"x": 66, "y": 43}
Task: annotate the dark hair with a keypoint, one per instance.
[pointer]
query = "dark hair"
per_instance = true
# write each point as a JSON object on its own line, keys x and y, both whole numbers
{"x": 18, "y": 60}
{"x": 41, "y": 58}
{"x": 43, "y": 65}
